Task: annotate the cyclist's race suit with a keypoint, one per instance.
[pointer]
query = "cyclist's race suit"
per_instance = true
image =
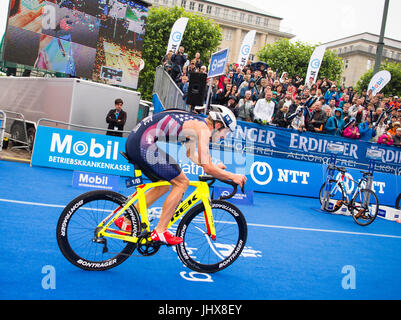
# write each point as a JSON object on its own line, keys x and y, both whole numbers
{"x": 142, "y": 149}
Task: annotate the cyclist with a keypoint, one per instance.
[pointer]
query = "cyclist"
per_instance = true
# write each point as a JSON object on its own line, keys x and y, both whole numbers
{"x": 196, "y": 132}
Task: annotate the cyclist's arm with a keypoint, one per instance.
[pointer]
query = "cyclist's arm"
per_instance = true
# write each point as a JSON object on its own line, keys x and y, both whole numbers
{"x": 205, "y": 159}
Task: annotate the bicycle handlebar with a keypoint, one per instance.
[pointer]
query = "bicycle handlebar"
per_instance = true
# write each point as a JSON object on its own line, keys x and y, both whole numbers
{"x": 210, "y": 180}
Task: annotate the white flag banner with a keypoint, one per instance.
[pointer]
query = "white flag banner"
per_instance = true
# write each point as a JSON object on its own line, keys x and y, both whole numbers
{"x": 246, "y": 47}
{"x": 379, "y": 81}
{"x": 176, "y": 34}
{"x": 314, "y": 64}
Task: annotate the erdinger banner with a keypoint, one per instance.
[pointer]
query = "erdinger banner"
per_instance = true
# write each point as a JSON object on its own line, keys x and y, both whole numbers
{"x": 246, "y": 47}
{"x": 379, "y": 81}
{"x": 176, "y": 34}
{"x": 311, "y": 147}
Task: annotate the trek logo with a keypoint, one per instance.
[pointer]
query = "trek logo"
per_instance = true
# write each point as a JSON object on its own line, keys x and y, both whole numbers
{"x": 93, "y": 149}
{"x": 185, "y": 206}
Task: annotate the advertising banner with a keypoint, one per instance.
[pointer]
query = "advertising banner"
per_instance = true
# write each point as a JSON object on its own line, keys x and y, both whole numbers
{"x": 379, "y": 81}
{"x": 80, "y": 151}
{"x": 314, "y": 64}
{"x": 246, "y": 47}
{"x": 176, "y": 34}
{"x": 218, "y": 63}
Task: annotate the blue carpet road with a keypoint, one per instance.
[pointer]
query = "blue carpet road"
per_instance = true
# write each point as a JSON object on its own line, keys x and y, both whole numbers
{"x": 293, "y": 252}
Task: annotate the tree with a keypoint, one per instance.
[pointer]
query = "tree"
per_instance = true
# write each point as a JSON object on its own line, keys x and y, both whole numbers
{"x": 293, "y": 58}
{"x": 201, "y": 35}
{"x": 393, "y": 87}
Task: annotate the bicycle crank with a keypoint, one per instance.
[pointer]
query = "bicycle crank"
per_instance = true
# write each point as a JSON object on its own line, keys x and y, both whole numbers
{"x": 147, "y": 247}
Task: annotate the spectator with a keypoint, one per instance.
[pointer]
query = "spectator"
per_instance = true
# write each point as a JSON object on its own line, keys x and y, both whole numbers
{"x": 287, "y": 101}
{"x": 332, "y": 92}
{"x": 264, "y": 109}
{"x": 197, "y": 60}
{"x": 298, "y": 123}
{"x": 397, "y": 138}
{"x": 394, "y": 128}
{"x": 116, "y": 119}
{"x": 245, "y": 107}
{"x": 178, "y": 61}
{"x": 386, "y": 139}
{"x": 380, "y": 128}
{"x": 232, "y": 105}
{"x": 351, "y": 131}
{"x": 251, "y": 87}
{"x": 166, "y": 61}
{"x": 335, "y": 124}
{"x": 318, "y": 118}
{"x": 366, "y": 129}
{"x": 281, "y": 117}
{"x": 344, "y": 99}
{"x": 184, "y": 84}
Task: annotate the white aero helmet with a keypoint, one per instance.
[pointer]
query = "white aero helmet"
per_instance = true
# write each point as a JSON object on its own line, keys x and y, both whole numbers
{"x": 224, "y": 115}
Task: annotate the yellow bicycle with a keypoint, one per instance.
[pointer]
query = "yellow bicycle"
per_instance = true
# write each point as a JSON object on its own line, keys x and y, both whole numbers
{"x": 214, "y": 231}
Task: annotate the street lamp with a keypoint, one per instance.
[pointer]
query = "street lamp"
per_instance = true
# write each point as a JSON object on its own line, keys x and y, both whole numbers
{"x": 380, "y": 44}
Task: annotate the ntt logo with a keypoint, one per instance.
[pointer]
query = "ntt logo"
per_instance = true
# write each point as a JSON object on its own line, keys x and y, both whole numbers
{"x": 93, "y": 149}
{"x": 261, "y": 173}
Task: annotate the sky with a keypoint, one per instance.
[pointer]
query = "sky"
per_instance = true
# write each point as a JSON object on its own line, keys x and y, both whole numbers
{"x": 317, "y": 21}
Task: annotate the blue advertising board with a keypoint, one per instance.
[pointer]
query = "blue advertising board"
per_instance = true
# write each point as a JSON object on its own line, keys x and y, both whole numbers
{"x": 95, "y": 181}
{"x": 80, "y": 151}
{"x": 218, "y": 63}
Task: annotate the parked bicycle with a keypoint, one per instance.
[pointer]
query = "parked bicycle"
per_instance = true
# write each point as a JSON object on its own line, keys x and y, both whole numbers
{"x": 214, "y": 231}
{"x": 363, "y": 203}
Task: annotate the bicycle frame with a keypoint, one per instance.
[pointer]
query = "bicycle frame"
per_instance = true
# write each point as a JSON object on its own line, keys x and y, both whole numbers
{"x": 345, "y": 187}
{"x": 201, "y": 193}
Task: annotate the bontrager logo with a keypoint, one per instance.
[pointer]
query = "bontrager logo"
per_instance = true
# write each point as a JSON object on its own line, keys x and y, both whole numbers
{"x": 92, "y": 149}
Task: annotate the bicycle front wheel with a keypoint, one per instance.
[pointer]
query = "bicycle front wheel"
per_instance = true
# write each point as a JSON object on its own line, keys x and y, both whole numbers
{"x": 365, "y": 207}
{"x": 77, "y": 225}
{"x": 199, "y": 251}
{"x": 335, "y": 196}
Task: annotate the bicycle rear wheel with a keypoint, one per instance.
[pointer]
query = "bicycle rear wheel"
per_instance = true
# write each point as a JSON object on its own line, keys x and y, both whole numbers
{"x": 365, "y": 207}
{"x": 335, "y": 195}
{"x": 202, "y": 254}
{"x": 76, "y": 231}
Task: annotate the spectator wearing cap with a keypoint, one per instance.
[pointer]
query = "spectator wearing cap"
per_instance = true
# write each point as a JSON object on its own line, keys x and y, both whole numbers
{"x": 332, "y": 92}
{"x": 395, "y": 103}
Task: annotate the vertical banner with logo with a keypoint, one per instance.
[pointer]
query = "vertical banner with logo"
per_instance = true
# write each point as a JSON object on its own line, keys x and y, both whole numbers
{"x": 379, "y": 81}
{"x": 314, "y": 64}
{"x": 176, "y": 34}
{"x": 246, "y": 47}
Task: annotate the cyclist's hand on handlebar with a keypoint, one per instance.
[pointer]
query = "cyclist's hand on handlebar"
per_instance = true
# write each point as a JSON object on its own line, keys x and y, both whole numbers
{"x": 239, "y": 179}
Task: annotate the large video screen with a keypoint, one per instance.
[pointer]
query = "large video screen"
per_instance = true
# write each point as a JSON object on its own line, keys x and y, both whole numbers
{"x": 92, "y": 39}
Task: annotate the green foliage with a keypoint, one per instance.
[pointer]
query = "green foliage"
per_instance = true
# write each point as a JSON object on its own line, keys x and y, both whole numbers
{"x": 293, "y": 58}
{"x": 393, "y": 87}
{"x": 201, "y": 35}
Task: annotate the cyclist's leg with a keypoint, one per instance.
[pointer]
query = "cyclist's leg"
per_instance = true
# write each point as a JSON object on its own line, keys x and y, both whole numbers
{"x": 179, "y": 186}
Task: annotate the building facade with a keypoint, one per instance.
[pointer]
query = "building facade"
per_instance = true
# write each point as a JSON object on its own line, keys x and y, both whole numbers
{"x": 358, "y": 53}
{"x": 236, "y": 19}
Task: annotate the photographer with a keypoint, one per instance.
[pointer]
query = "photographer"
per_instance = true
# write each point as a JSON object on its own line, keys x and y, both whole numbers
{"x": 178, "y": 60}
